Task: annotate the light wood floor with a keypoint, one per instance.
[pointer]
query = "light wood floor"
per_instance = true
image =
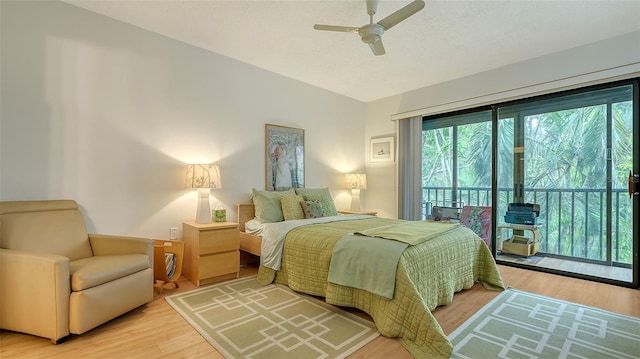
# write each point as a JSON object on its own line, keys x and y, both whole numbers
{"x": 157, "y": 331}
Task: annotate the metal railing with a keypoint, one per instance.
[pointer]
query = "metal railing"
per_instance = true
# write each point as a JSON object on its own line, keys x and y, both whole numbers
{"x": 574, "y": 220}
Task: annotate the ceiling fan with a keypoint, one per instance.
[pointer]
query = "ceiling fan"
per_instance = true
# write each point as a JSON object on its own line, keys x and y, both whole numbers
{"x": 372, "y": 33}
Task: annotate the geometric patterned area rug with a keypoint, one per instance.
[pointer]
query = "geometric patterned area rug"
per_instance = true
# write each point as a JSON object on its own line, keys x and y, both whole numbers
{"x": 518, "y": 324}
{"x": 243, "y": 319}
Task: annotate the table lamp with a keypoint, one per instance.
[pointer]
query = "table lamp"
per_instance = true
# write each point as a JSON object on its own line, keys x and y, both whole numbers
{"x": 204, "y": 177}
{"x": 356, "y": 181}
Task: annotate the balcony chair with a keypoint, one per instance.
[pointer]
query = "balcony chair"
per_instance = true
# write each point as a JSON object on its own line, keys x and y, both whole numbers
{"x": 56, "y": 279}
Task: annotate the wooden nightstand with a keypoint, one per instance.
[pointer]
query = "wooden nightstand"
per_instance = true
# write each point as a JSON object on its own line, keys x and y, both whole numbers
{"x": 212, "y": 251}
{"x": 346, "y": 211}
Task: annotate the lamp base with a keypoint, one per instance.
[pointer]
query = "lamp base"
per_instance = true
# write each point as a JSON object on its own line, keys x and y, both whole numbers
{"x": 355, "y": 200}
{"x": 203, "y": 213}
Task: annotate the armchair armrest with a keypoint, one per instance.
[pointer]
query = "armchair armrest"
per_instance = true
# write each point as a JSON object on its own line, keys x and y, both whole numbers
{"x": 34, "y": 293}
{"x": 104, "y": 245}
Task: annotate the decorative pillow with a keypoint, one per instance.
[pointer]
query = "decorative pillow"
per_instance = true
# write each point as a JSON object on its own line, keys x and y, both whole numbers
{"x": 291, "y": 208}
{"x": 312, "y": 209}
{"x": 267, "y": 204}
{"x": 322, "y": 195}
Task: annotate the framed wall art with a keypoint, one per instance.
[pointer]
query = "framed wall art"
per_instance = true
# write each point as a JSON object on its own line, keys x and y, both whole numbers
{"x": 382, "y": 149}
{"x": 284, "y": 157}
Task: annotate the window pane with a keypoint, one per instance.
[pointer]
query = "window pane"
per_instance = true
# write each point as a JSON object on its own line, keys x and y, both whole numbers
{"x": 456, "y": 159}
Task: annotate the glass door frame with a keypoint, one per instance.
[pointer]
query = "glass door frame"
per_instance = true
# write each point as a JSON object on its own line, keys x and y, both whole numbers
{"x": 636, "y": 170}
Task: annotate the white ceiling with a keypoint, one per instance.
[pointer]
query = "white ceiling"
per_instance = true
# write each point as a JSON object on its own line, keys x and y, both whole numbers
{"x": 444, "y": 41}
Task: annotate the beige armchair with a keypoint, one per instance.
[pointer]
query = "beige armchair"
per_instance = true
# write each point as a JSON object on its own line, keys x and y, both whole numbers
{"x": 56, "y": 279}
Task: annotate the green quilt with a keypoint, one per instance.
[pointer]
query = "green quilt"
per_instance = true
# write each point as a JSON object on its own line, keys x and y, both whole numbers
{"x": 428, "y": 275}
{"x": 368, "y": 263}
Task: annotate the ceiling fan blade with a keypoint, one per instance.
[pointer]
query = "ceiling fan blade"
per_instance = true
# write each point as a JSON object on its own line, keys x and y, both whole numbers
{"x": 377, "y": 48}
{"x": 336, "y": 28}
{"x": 398, "y": 16}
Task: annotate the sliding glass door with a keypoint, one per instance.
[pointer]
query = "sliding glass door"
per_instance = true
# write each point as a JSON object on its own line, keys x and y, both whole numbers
{"x": 570, "y": 154}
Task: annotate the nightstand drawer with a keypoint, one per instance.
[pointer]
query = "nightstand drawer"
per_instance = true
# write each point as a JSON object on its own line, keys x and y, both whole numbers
{"x": 219, "y": 264}
{"x": 221, "y": 240}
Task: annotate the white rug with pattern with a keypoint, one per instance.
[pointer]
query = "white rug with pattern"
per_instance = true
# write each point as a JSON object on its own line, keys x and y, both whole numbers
{"x": 243, "y": 319}
{"x": 518, "y": 324}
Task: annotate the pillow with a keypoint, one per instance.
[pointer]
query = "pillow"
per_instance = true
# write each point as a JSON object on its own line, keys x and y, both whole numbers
{"x": 322, "y": 195}
{"x": 267, "y": 203}
{"x": 291, "y": 208}
{"x": 312, "y": 209}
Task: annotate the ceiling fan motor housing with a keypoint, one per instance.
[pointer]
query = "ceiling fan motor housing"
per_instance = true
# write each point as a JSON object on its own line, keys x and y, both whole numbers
{"x": 371, "y": 33}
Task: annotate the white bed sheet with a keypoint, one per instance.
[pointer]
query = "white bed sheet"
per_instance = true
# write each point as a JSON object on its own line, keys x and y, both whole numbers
{"x": 254, "y": 227}
{"x": 273, "y": 235}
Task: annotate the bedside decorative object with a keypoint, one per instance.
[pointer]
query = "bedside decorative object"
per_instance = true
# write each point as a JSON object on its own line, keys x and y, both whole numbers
{"x": 356, "y": 181}
{"x": 219, "y": 214}
{"x": 204, "y": 177}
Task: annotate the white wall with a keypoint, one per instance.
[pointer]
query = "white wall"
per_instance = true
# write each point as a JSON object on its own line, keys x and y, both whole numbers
{"x": 109, "y": 114}
{"x": 603, "y": 61}
{"x": 381, "y": 189}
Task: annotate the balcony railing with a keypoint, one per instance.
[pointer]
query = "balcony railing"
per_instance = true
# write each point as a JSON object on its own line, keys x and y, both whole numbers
{"x": 574, "y": 220}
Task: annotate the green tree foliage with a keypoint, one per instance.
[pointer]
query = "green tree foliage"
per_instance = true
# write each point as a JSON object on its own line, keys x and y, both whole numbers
{"x": 565, "y": 156}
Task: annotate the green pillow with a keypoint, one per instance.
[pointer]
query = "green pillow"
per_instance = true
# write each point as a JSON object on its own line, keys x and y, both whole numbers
{"x": 322, "y": 195}
{"x": 291, "y": 208}
{"x": 267, "y": 205}
{"x": 312, "y": 209}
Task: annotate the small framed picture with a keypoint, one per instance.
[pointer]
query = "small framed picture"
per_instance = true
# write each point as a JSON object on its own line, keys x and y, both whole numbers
{"x": 382, "y": 149}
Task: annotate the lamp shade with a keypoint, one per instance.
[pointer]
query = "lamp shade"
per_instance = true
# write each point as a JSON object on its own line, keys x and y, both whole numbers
{"x": 356, "y": 180}
{"x": 203, "y": 176}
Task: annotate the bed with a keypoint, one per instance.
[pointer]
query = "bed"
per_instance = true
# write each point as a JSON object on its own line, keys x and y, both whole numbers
{"x": 428, "y": 275}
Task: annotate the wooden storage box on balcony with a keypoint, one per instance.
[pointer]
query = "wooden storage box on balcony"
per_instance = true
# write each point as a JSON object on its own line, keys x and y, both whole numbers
{"x": 520, "y": 245}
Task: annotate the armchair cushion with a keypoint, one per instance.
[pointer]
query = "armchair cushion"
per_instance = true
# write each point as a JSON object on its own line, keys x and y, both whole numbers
{"x": 59, "y": 232}
{"x": 105, "y": 245}
{"x": 93, "y": 271}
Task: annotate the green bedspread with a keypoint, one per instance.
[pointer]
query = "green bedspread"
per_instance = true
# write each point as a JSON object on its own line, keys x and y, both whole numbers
{"x": 428, "y": 275}
{"x": 369, "y": 259}
{"x": 410, "y": 232}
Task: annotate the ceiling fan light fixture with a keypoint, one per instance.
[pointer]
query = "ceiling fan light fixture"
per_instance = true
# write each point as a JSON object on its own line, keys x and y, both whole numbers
{"x": 369, "y": 39}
